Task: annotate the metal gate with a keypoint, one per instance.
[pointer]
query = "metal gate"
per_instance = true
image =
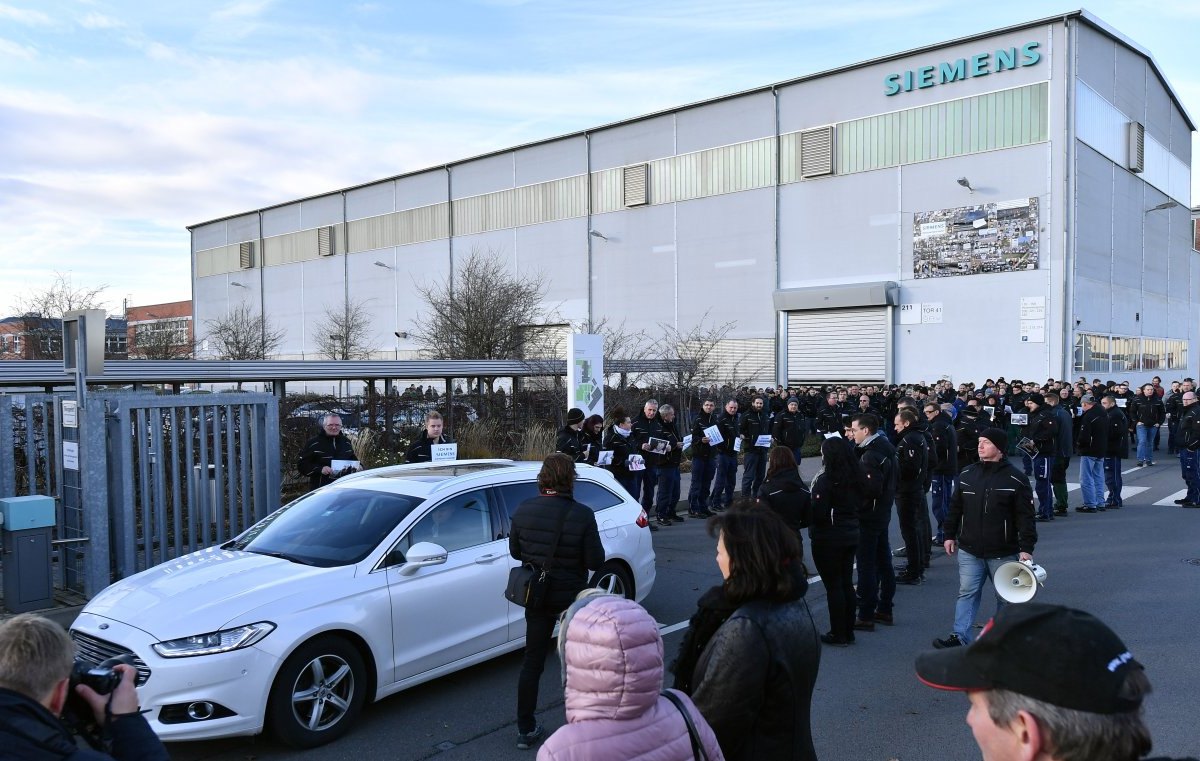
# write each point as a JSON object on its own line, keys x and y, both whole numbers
{"x": 156, "y": 477}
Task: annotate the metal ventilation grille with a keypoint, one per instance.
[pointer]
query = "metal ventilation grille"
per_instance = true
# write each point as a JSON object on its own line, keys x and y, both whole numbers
{"x": 246, "y": 255}
{"x": 816, "y": 152}
{"x": 1137, "y": 147}
{"x": 636, "y": 180}
{"x": 325, "y": 241}
{"x": 95, "y": 651}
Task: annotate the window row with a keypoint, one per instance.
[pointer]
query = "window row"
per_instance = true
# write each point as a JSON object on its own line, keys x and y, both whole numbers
{"x": 1121, "y": 354}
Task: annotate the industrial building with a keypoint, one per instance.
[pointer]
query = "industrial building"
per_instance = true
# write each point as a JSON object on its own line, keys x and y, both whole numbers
{"x": 1015, "y": 202}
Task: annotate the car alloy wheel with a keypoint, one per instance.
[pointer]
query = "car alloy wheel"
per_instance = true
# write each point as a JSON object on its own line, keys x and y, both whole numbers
{"x": 614, "y": 579}
{"x": 318, "y": 693}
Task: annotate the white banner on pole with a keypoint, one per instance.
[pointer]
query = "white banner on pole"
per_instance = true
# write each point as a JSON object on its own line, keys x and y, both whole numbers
{"x": 585, "y": 373}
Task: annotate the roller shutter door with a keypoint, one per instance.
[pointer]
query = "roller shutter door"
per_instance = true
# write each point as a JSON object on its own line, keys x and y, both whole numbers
{"x": 838, "y": 345}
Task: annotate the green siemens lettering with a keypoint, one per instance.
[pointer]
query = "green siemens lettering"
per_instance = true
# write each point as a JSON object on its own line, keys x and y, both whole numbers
{"x": 977, "y": 65}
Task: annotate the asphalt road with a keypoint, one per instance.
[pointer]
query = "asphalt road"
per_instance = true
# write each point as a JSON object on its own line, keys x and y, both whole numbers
{"x": 1137, "y": 568}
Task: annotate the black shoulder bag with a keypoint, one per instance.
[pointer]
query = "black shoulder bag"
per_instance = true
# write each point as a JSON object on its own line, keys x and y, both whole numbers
{"x": 697, "y": 747}
{"x": 527, "y": 583}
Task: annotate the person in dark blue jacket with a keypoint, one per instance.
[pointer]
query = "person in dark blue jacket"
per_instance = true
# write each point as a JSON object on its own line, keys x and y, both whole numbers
{"x": 36, "y": 657}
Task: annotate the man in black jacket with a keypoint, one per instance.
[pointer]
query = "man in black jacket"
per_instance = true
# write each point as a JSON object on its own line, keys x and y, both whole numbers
{"x": 557, "y": 534}
{"x": 912, "y": 460}
{"x": 1093, "y": 447}
{"x": 316, "y": 459}
{"x": 991, "y": 522}
{"x": 1188, "y": 441}
{"x": 1147, "y": 413}
{"x": 704, "y": 461}
{"x": 755, "y": 423}
{"x": 1042, "y": 430}
{"x": 876, "y": 580}
{"x": 422, "y": 447}
{"x": 666, "y": 499}
{"x": 945, "y": 442}
{"x": 569, "y": 441}
{"x": 1118, "y": 450}
{"x": 646, "y": 426}
{"x": 36, "y": 656}
{"x": 829, "y": 416}
{"x": 788, "y": 429}
{"x": 726, "y": 480}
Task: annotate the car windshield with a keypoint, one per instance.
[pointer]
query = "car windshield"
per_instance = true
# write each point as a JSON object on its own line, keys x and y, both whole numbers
{"x": 328, "y": 527}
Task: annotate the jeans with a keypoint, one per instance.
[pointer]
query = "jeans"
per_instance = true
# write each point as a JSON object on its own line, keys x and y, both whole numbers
{"x": 1189, "y": 463}
{"x": 1113, "y": 480}
{"x": 943, "y": 490}
{"x": 754, "y": 472}
{"x": 703, "y": 470}
{"x": 1091, "y": 480}
{"x": 647, "y": 480}
{"x": 539, "y": 625}
{"x": 909, "y": 506}
{"x": 1145, "y": 442}
{"x": 836, "y": 566}
{"x": 668, "y": 491}
{"x": 1042, "y": 464}
{"x": 726, "y": 481}
{"x": 876, "y": 579}
{"x": 972, "y": 573}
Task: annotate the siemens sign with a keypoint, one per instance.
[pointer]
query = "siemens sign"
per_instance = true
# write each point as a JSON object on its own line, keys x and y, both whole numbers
{"x": 978, "y": 65}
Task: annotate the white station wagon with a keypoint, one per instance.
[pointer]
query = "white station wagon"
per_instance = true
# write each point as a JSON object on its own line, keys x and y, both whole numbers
{"x": 380, "y": 581}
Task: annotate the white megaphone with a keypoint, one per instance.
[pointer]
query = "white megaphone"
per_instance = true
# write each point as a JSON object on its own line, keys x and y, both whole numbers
{"x": 1018, "y": 581}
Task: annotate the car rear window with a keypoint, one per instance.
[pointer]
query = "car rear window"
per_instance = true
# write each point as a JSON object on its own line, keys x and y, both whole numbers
{"x": 589, "y": 493}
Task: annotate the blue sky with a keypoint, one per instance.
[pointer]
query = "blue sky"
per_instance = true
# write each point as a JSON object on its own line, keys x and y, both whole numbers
{"x": 123, "y": 122}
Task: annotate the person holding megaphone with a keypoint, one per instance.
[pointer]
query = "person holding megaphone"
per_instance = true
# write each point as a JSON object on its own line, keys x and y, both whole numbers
{"x": 991, "y": 522}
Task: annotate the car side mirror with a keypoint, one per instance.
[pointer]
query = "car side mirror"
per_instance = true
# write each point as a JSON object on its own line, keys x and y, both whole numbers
{"x": 423, "y": 554}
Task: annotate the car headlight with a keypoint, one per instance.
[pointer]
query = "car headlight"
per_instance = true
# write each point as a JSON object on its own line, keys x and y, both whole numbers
{"x": 214, "y": 642}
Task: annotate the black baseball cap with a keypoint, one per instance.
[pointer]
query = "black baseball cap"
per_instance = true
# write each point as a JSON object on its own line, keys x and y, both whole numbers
{"x": 1058, "y": 655}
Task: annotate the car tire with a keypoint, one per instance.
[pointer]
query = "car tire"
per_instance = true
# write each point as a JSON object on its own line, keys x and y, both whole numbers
{"x": 614, "y": 578}
{"x": 318, "y": 693}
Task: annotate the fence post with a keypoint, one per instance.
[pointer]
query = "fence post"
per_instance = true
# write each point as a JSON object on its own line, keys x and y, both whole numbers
{"x": 270, "y": 454}
{"x": 8, "y": 454}
{"x": 93, "y": 470}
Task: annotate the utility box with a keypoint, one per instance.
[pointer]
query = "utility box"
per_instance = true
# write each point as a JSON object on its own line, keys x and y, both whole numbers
{"x": 25, "y": 534}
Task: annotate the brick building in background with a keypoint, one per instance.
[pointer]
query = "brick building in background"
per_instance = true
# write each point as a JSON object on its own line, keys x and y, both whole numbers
{"x": 160, "y": 331}
{"x": 31, "y": 336}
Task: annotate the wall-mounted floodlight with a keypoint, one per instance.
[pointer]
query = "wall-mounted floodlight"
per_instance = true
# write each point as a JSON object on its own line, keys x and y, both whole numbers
{"x": 1171, "y": 204}
{"x": 381, "y": 264}
{"x": 236, "y": 284}
{"x": 401, "y": 334}
{"x": 597, "y": 234}
{"x": 966, "y": 184}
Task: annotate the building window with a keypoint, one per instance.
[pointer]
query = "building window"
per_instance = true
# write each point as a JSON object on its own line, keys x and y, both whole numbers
{"x": 116, "y": 343}
{"x": 1123, "y": 354}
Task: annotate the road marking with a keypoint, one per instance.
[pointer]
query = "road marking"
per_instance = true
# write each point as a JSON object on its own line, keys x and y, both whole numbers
{"x": 1171, "y": 499}
{"x": 1126, "y": 491}
{"x": 1135, "y": 467}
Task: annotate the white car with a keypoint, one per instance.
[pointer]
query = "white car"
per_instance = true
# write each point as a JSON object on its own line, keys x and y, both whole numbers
{"x": 380, "y": 581}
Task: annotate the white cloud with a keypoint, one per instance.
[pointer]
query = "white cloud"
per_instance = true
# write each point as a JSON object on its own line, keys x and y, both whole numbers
{"x": 24, "y": 16}
{"x": 95, "y": 20}
{"x": 16, "y": 50}
{"x": 247, "y": 9}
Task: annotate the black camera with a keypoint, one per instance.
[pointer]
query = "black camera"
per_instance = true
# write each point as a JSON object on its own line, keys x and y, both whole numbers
{"x": 103, "y": 679}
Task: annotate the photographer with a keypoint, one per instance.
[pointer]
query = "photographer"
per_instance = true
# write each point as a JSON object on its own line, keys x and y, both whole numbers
{"x": 36, "y": 657}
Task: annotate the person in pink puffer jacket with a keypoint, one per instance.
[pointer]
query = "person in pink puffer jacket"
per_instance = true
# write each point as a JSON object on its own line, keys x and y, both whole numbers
{"x": 612, "y": 658}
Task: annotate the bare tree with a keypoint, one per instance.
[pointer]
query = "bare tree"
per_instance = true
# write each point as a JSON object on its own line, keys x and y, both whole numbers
{"x": 482, "y": 311}
{"x": 242, "y": 334}
{"x": 344, "y": 332}
{"x": 696, "y": 351}
{"x": 43, "y": 311}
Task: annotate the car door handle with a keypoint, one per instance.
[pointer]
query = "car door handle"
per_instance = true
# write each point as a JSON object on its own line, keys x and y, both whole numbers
{"x": 482, "y": 559}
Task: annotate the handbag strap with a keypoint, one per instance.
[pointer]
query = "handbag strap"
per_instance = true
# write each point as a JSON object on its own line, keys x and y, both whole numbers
{"x": 693, "y": 733}
{"x": 562, "y": 519}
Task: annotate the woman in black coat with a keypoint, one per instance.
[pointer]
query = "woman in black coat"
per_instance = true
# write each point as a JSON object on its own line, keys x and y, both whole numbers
{"x": 784, "y": 491}
{"x": 833, "y": 532}
{"x": 750, "y": 657}
{"x": 617, "y": 439}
